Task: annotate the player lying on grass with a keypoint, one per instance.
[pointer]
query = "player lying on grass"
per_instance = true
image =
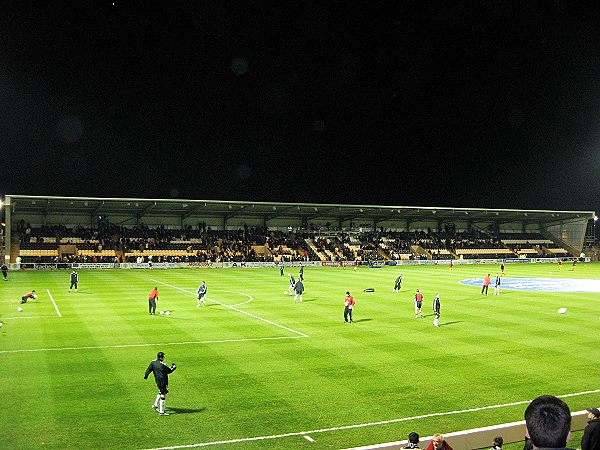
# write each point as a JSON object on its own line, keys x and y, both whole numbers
{"x": 27, "y": 296}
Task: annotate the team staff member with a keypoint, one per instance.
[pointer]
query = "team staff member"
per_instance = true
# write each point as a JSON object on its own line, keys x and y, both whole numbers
{"x": 301, "y": 273}
{"x": 161, "y": 376}
{"x": 152, "y": 298}
{"x": 74, "y": 281}
{"x": 27, "y": 296}
{"x": 4, "y": 269}
{"x": 348, "y": 306}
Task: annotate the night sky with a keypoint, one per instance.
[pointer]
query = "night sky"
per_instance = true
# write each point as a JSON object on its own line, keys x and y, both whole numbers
{"x": 482, "y": 104}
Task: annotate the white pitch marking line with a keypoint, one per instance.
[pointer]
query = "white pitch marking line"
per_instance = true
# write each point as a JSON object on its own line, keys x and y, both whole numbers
{"x": 54, "y": 303}
{"x": 93, "y": 347}
{"x": 235, "y": 309}
{"x": 250, "y": 298}
{"x": 29, "y": 317}
{"x": 309, "y": 439}
{"x": 363, "y": 425}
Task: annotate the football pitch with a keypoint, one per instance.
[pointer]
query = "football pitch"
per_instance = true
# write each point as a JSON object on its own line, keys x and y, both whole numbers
{"x": 257, "y": 371}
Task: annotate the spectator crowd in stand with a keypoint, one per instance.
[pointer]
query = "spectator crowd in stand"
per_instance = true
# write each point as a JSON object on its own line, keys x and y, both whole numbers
{"x": 201, "y": 244}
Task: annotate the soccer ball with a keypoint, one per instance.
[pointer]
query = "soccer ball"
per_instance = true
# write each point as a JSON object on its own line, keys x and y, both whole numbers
{"x": 162, "y": 312}
{"x": 562, "y": 310}
{"x": 167, "y": 313}
{"x": 34, "y": 296}
{"x": 20, "y": 309}
{"x": 1, "y": 324}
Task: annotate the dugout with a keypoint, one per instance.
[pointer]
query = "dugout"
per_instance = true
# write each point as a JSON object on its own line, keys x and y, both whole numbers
{"x": 566, "y": 228}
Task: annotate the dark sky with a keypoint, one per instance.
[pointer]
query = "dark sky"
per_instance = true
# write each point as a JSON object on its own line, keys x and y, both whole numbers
{"x": 482, "y": 104}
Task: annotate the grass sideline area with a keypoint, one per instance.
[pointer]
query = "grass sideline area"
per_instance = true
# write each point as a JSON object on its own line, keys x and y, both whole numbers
{"x": 256, "y": 371}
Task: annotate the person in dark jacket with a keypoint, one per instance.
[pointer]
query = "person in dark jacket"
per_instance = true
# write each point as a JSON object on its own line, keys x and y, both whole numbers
{"x": 591, "y": 434}
{"x": 161, "y": 376}
{"x": 74, "y": 280}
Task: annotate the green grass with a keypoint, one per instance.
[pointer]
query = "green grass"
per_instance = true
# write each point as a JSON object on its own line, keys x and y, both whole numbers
{"x": 387, "y": 365}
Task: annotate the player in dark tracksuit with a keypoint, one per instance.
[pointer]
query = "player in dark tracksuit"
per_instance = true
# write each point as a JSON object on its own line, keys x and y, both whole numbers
{"x": 292, "y": 284}
{"x": 74, "y": 281}
{"x": 161, "y": 375}
{"x": 4, "y": 269}
{"x": 436, "y": 310}
{"x": 398, "y": 284}
{"x": 201, "y": 291}
{"x": 298, "y": 290}
{"x": 301, "y": 273}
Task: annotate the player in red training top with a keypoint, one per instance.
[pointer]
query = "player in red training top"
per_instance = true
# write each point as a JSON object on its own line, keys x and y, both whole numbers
{"x": 152, "y": 297}
{"x": 348, "y": 306}
{"x": 418, "y": 304}
{"x": 27, "y": 296}
{"x": 486, "y": 284}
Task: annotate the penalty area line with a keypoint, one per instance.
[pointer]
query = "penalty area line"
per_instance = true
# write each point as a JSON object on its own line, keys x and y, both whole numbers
{"x": 54, "y": 303}
{"x": 236, "y": 309}
{"x": 363, "y": 425}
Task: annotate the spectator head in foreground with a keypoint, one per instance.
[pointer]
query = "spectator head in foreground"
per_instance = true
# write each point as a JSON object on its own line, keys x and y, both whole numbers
{"x": 413, "y": 440}
{"x": 497, "y": 444}
{"x": 548, "y": 421}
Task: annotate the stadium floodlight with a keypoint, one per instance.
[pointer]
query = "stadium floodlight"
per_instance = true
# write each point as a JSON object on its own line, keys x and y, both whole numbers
{"x": 595, "y": 217}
